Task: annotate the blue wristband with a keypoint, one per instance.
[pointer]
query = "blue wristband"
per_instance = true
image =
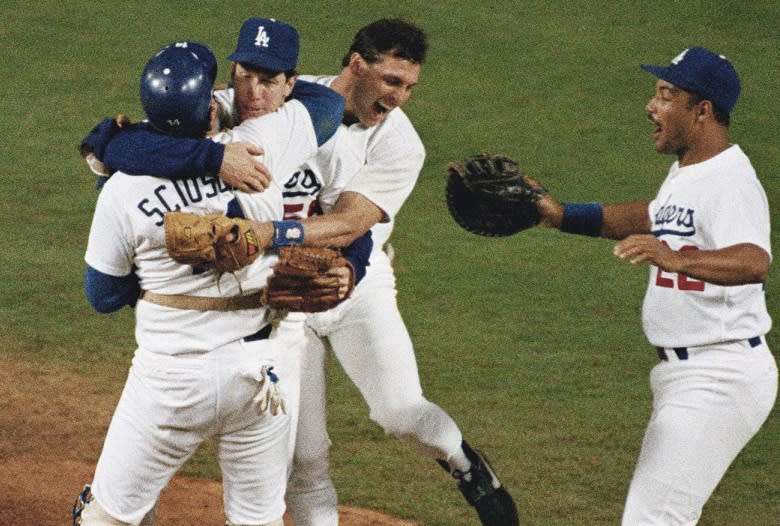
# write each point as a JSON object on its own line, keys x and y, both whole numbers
{"x": 287, "y": 234}
{"x": 582, "y": 218}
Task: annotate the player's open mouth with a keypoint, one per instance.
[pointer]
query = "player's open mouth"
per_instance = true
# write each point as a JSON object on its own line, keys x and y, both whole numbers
{"x": 657, "y": 129}
{"x": 381, "y": 109}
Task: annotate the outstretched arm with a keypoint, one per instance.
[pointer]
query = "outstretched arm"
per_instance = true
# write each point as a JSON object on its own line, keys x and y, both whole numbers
{"x": 352, "y": 216}
{"x": 140, "y": 150}
{"x": 594, "y": 219}
{"x": 136, "y": 149}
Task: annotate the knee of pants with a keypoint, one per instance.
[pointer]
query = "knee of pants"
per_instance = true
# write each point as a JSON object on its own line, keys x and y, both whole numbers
{"x": 311, "y": 447}
{"x": 310, "y": 465}
{"x": 401, "y": 421}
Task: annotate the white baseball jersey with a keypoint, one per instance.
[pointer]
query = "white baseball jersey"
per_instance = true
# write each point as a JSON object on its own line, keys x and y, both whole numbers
{"x": 707, "y": 206}
{"x": 366, "y": 332}
{"x": 197, "y": 375}
{"x": 128, "y": 230}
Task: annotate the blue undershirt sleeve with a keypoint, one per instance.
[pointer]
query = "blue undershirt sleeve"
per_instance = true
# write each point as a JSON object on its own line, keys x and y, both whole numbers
{"x": 358, "y": 253}
{"x": 325, "y": 106}
{"x": 108, "y": 293}
{"x": 139, "y": 150}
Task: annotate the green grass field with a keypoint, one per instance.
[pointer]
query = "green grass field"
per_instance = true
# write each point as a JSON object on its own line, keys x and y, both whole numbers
{"x": 532, "y": 343}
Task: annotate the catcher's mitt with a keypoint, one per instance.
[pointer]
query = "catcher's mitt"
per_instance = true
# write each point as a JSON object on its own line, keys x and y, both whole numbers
{"x": 489, "y": 195}
{"x": 202, "y": 241}
{"x": 309, "y": 279}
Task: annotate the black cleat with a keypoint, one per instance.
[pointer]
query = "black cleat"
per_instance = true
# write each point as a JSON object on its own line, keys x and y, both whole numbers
{"x": 482, "y": 489}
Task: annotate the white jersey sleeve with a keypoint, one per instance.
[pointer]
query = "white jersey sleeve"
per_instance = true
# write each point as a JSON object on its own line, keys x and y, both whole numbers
{"x": 109, "y": 247}
{"x": 707, "y": 206}
{"x": 394, "y": 156}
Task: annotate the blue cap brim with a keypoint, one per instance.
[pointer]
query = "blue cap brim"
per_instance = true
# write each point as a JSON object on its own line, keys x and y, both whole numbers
{"x": 264, "y": 61}
{"x": 669, "y": 74}
{"x": 658, "y": 71}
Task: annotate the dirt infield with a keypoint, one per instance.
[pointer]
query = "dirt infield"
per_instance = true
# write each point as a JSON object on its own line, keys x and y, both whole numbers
{"x": 46, "y": 440}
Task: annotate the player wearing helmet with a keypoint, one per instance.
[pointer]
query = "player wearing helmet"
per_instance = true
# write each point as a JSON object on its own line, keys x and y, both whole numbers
{"x": 205, "y": 362}
{"x": 381, "y": 158}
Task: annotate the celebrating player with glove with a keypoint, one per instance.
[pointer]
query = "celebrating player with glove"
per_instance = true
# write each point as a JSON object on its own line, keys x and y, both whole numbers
{"x": 305, "y": 279}
{"x": 706, "y": 238}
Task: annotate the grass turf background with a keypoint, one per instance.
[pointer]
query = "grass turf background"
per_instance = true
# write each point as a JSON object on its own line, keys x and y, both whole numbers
{"x": 532, "y": 343}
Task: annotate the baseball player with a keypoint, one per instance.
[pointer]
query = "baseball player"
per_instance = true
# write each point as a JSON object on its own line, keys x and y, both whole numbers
{"x": 368, "y": 334}
{"x": 705, "y": 237}
{"x": 204, "y": 366}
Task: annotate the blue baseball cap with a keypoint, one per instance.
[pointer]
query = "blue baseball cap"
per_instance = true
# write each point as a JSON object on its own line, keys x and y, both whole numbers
{"x": 701, "y": 71}
{"x": 267, "y": 43}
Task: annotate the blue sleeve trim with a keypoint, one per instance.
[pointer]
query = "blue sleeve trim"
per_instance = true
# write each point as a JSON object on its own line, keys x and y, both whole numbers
{"x": 108, "y": 293}
{"x": 287, "y": 234}
{"x": 98, "y": 137}
{"x": 139, "y": 150}
{"x": 582, "y": 218}
{"x": 359, "y": 253}
{"x": 325, "y": 106}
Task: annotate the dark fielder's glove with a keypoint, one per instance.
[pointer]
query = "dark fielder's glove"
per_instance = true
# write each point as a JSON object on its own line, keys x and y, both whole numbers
{"x": 309, "y": 279}
{"x": 489, "y": 195}
{"x": 212, "y": 241}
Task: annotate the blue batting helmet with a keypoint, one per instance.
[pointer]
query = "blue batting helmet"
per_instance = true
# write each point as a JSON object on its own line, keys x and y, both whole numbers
{"x": 203, "y": 52}
{"x": 176, "y": 89}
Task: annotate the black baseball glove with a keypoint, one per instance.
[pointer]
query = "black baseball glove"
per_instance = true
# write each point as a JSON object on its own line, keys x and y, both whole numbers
{"x": 489, "y": 195}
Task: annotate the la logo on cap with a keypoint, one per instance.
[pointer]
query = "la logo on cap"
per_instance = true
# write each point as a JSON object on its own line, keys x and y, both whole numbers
{"x": 262, "y": 39}
{"x": 679, "y": 58}
{"x": 676, "y": 60}
{"x": 267, "y": 43}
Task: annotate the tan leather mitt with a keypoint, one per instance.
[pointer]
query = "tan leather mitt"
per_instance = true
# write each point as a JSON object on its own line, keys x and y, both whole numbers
{"x": 202, "y": 241}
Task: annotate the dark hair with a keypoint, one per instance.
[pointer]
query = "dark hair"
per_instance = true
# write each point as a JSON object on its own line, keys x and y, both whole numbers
{"x": 267, "y": 72}
{"x": 395, "y": 36}
{"x": 720, "y": 116}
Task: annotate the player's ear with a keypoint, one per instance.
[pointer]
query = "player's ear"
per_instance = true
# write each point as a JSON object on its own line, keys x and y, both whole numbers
{"x": 356, "y": 63}
{"x": 706, "y": 109}
{"x": 289, "y": 85}
{"x": 703, "y": 109}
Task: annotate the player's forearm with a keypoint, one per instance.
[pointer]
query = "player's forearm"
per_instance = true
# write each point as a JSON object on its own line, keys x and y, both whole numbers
{"x": 352, "y": 216}
{"x": 108, "y": 293}
{"x": 139, "y": 150}
{"x": 622, "y": 220}
{"x": 331, "y": 230}
{"x": 735, "y": 265}
{"x": 594, "y": 219}
{"x": 334, "y": 230}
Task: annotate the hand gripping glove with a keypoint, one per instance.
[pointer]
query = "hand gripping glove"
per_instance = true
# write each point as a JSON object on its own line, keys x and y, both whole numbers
{"x": 309, "y": 279}
{"x": 489, "y": 195}
{"x": 212, "y": 241}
